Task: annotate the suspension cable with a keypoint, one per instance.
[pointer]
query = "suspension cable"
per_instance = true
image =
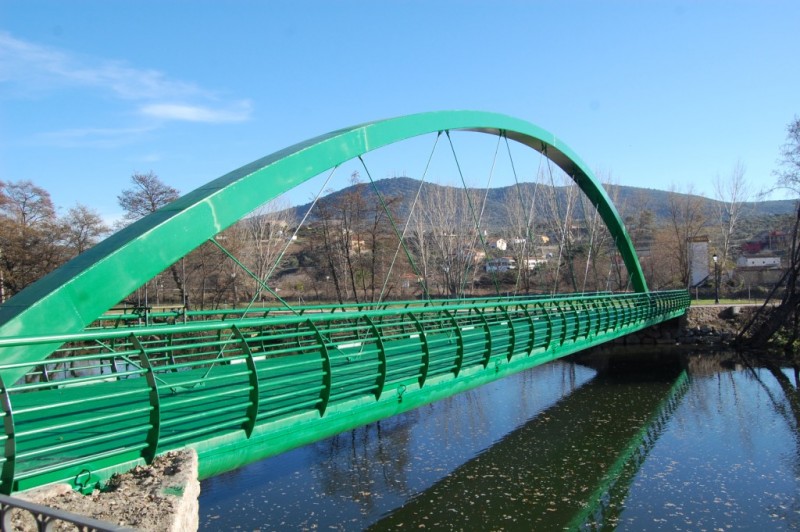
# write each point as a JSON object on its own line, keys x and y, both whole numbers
{"x": 558, "y": 213}
{"x": 611, "y": 267}
{"x": 261, "y": 282}
{"x": 529, "y": 217}
{"x": 591, "y": 242}
{"x": 395, "y": 229}
{"x": 472, "y": 209}
{"x": 401, "y": 237}
{"x": 480, "y": 216}
{"x": 261, "y": 286}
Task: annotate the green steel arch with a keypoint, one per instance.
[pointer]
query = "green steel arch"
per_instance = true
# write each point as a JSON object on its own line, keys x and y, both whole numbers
{"x": 76, "y": 294}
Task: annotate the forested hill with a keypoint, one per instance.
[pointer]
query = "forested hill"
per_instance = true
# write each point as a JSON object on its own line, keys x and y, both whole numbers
{"x": 628, "y": 200}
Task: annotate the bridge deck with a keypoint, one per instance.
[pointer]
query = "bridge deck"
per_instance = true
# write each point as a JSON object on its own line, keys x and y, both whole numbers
{"x": 243, "y": 389}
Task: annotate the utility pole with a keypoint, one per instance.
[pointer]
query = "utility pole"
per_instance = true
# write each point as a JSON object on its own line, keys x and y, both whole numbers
{"x": 716, "y": 279}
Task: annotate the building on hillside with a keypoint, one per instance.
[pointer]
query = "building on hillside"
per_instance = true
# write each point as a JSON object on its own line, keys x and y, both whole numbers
{"x": 501, "y": 264}
{"x": 758, "y": 261}
{"x": 752, "y": 247}
{"x": 532, "y": 264}
{"x": 504, "y": 264}
{"x": 500, "y": 244}
{"x": 762, "y": 269}
{"x": 773, "y": 240}
{"x": 536, "y": 240}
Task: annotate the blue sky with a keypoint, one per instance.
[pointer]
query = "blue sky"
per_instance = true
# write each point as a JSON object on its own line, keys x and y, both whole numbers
{"x": 652, "y": 93}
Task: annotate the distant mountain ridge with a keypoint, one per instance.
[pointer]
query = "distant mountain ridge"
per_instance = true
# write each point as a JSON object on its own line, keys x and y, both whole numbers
{"x": 627, "y": 199}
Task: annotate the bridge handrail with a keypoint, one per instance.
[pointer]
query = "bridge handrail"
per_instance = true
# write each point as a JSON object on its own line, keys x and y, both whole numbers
{"x": 678, "y": 298}
{"x": 189, "y": 314}
{"x": 116, "y": 396}
{"x": 362, "y": 304}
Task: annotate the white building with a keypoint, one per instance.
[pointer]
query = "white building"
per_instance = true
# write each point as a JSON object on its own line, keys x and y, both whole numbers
{"x": 502, "y": 264}
{"x": 698, "y": 259}
{"x": 500, "y": 244}
{"x": 531, "y": 264}
{"x": 758, "y": 261}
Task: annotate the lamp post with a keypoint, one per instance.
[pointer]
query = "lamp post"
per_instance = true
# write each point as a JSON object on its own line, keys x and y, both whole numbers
{"x": 716, "y": 279}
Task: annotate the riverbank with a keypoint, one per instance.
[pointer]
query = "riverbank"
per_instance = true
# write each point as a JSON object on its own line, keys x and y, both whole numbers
{"x": 159, "y": 497}
{"x": 702, "y": 326}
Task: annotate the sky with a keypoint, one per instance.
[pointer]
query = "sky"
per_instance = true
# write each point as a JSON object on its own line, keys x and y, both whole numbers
{"x": 656, "y": 94}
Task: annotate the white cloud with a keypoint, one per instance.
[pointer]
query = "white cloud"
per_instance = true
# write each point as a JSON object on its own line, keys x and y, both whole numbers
{"x": 33, "y": 69}
{"x": 239, "y": 112}
{"x": 29, "y": 64}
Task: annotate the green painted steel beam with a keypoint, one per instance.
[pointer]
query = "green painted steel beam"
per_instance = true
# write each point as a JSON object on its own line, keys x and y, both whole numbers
{"x": 243, "y": 389}
{"x": 73, "y": 296}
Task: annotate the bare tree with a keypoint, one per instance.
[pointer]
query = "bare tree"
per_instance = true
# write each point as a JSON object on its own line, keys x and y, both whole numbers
{"x": 449, "y": 237}
{"x": 663, "y": 269}
{"x": 763, "y": 325}
{"x": 147, "y": 195}
{"x": 25, "y": 203}
{"x": 522, "y": 238}
{"x": 788, "y": 173}
{"x": 31, "y": 237}
{"x": 687, "y": 221}
{"x": 381, "y": 241}
{"x": 83, "y": 226}
{"x": 600, "y": 247}
{"x": 420, "y": 245}
{"x": 730, "y": 194}
{"x": 560, "y": 204}
{"x": 640, "y": 222}
{"x": 266, "y": 233}
{"x": 207, "y": 276}
{"x": 330, "y": 251}
{"x": 350, "y": 239}
{"x": 357, "y": 243}
{"x": 535, "y": 214}
{"x": 343, "y": 245}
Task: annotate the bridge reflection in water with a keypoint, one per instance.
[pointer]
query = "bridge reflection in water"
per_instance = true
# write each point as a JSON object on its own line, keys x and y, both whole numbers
{"x": 570, "y": 467}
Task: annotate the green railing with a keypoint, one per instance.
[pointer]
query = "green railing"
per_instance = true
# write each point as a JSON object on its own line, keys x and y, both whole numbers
{"x": 244, "y": 386}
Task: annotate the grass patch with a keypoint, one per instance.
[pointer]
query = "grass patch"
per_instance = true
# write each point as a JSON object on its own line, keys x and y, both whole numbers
{"x": 728, "y": 301}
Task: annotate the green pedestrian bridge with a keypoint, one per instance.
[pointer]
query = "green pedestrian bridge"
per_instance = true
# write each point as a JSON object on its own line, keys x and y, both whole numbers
{"x": 87, "y": 392}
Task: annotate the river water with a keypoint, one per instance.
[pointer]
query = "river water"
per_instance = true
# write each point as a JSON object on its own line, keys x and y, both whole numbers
{"x": 693, "y": 444}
